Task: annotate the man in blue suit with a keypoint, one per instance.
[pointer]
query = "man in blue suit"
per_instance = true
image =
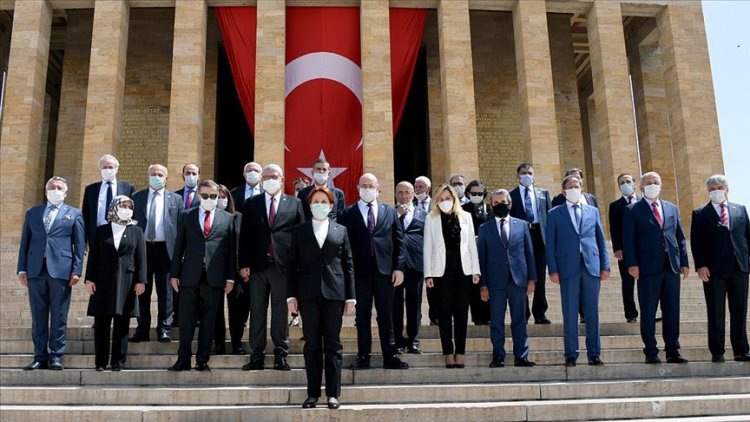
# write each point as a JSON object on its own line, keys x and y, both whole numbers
{"x": 655, "y": 252}
{"x": 578, "y": 261}
{"x": 50, "y": 262}
{"x": 506, "y": 261}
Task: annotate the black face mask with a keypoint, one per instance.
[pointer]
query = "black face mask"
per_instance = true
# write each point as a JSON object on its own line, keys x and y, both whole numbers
{"x": 501, "y": 210}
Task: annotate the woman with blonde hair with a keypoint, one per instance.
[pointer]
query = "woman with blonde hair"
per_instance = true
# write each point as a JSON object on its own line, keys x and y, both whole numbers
{"x": 451, "y": 265}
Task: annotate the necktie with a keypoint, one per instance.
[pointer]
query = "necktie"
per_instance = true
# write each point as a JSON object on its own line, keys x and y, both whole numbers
{"x": 630, "y": 200}
{"x": 577, "y": 211}
{"x": 402, "y": 219}
{"x": 527, "y": 206}
{"x": 109, "y": 198}
{"x": 424, "y": 205}
{"x": 371, "y": 227}
{"x": 189, "y": 198}
{"x": 657, "y": 214}
{"x": 151, "y": 224}
{"x": 503, "y": 234}
{"x": 48, "y": 218}
{"x": 724, "y": 216}
{"x": 272, "y": 213}
{"x": 207, "y": 224}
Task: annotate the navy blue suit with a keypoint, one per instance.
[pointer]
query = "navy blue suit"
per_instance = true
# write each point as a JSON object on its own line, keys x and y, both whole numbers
{"x": 578, "y": 256}
{"x": 506, "y": 271}
{"x": 413, "y": 284}
{"x": 658, "y": 253}
{"x": 616, "y": 214}
{"x": 49, "y": 259}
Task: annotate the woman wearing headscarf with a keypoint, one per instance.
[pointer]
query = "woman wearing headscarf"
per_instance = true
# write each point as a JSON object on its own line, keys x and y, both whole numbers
{"x": 115, "y": 275}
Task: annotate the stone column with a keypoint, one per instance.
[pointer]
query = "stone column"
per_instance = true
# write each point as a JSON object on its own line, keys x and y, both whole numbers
{"x": 187, "y": 95}
{"x": 535, "y": 92}
{"x": 437, "y": 170}
{"x": 613, "y": 124}
{"x": 270, "y": 68}
{"x": 106, "y": 87}
{"x": 690, "y": 100}
{"x": 23, "y": 113}
{"x": 457, "y": 94}
{"x": 377, "y": 107}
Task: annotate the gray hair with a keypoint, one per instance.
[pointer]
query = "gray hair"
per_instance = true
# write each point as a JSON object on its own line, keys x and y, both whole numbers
{"x": 717, "y": 179}
{"x": 424, "y": 179}
{"x": 407, "y": 184}
{"x": 57, "y": 179}
{"x": 108, "y": 157}
{"x": 158, "y": 166}
{"x": 498, "y": 192}
{"x": 208, "y": 183}
{"x": 274, "y": 167}
{"x": 650, "y": 175}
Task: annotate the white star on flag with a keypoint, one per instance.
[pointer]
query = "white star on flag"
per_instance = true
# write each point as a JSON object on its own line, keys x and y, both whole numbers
{"x": 335, "y": 171}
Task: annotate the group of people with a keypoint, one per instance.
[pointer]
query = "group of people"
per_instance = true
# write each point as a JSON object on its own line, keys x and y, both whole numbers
{"x": 312, "y": 254}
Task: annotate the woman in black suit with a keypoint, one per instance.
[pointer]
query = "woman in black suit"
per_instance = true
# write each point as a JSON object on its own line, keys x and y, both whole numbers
{"x": 115, "y": 275}
{"x": 321, "y": 285}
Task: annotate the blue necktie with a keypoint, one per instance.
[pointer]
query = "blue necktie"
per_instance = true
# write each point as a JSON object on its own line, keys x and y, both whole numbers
{"x": 577, "y": 210}
{"x": 527, "y": 206}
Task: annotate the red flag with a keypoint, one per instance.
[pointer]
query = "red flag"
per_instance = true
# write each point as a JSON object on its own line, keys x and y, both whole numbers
{"x": 238, "y": 26}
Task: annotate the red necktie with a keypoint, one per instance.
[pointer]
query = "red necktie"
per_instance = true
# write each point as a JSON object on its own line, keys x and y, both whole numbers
{"x": 724, "y": 216}
{"x": 207, "y": 225}
{"x": 657, "y": 214}
{"x": 189, "y": 199}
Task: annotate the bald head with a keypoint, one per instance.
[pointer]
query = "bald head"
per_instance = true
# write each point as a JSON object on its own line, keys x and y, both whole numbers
{"x": 368, "y": 180}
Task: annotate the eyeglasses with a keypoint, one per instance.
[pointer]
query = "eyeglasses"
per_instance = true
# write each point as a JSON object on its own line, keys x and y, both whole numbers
{"x": 476, "y": 193}
{"x": 207, "y": 196}
{"x": 271, "y": 177}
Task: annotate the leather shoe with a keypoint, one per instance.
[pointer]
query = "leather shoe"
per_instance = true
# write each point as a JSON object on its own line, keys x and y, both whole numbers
{"x": 632, "y": 320}
{"x": 717, "y": 358}
{"x": 55, "y": 365}
{"x": 164, "y": 337}
{"x": 413, "y": 350}
{"x": 333, "y": 403}
{"x": 201, "y": 367}
{"x": 596, "y": 361}
{"x": 100, "y": 369}
{"x": 310, "y": 403}
{"x": 253, "y": 365}
{"x": 497, "y": 363}
{"x": 116, "y": 368}
{"x": 362, "y": 362}
{"x": 139, "y": 339}
{"x": 35, "y": 365}
{"x": 657, "y": 319}
{"x": 180, "y": 366}
{"x": 676, "y": 359}
{"x": 570, "y": 362}
{"x": 742, "y": 358}
{"x": 653, "y": 360}
{"x": 238, "y": 350}
{"x": 280, "y": 364}
{"x": 395, "y": 363}
{"x": 542, "y": 321}
{"x": 523, "y": 362}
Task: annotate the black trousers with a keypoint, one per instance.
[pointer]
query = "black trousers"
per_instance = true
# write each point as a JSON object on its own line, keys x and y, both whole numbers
{"x": 732, "y": 287}
{"x": 119, "y": 340}
{"x": 662, "y": 289}
{"x": 411, "y": 288}
{"x": 628, "y": 291}
{"x": 322, "y": 328}
{"x": 453, "y": 290}
{"x": 238, "y": 304}
{"x": 157, "y": 268}
{"x": 264, "y": 285}
{"x": 374, "y": 287}
{"x": 480, "y": 311}
{"x": 198, "y": 303}
{"x": 432, "y": 303}
{"x": 539, "y": 304}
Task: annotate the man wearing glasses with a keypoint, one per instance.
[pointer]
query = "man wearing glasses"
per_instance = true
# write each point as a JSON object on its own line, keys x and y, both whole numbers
{"x": 480, "y": 212}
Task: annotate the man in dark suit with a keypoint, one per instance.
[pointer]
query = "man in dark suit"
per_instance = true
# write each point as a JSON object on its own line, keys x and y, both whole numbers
{"x": 412, "y": 223}
{"x": 265, "y": 240}
{"x": 578, "y": 262}
{"x": 97, "y": 196}
{"x": 586, "y": 198}
{"x": 251, "y": 187}
{"x": 532, "y": 204}
{"x": 481, "y": 213}
{"x": 376, "y": 238}
{"x": 321, "y": 175}
{"x": 506, "y": 261}
{"x": 203, "y": 271}
{"x": 656, "y": 253}
{"x": 719, "y": 238}
{"x": 156, "y": 211}
{"x": 50, "y": 262}
{"x": 191, "y": 174}
{"x": 616, "y": 212}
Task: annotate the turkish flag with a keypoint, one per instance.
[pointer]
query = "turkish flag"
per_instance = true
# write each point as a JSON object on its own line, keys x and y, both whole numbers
{"x": 324, "y": 94}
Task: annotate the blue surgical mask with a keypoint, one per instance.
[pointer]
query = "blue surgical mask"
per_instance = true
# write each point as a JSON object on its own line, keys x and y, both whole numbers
{"x": 320, "y": 211}
{"x": 527, "y": 180}
{"x": 191, "y": 181}
{"x": 156, "y": 182}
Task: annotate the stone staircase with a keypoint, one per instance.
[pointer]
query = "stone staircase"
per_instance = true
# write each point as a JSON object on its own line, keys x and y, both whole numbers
{"x": 625, "y": 388}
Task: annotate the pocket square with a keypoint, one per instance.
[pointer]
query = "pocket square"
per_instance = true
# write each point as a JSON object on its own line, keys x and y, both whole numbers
{"x": 68, "y": 217}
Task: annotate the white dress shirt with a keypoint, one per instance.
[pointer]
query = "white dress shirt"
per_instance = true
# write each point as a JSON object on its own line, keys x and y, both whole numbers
{"x": 717, "y": 207}
{"x": 202, "y": 217}
{"x": 320, "y": 230}
{"x": 117, "y": 231}
{"x": 276, "y": 199}
{"x": 252, "y": 191}
{"x": 364, "y": 210}
{"x": 425, "y": 204}
{"x": 158, "y": 214}
{"x": 532, "y": 197}
{"x": 101, "y": 209}
{"x": 409, "y": 215}
{"x": 658, "y": 206}
{"x": 505, "y": 227}
{"x": 634, "y": 199}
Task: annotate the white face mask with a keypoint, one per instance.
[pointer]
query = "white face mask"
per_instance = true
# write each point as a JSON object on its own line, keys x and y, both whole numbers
{"x": 320, "y": 211}
{"x": 421, "y": 196}
{"x": 368, "y": 194}
{"x": 252, "y": 177}
{"x": 652, "y": 191}
{"x": 718, "y": 196}
{"x": 222, "y": 203}
{"x": 460, "y": 191}
{"x": 55, "y": 197}
{"x": 191, "y": 181}
{"x": 108, "y": 175}
{"x": 573, "y": 195}
{"x": 124, "y": 214}
{"x": 446, "y": 206}
{"x": 271, "y": 186}
{"x": 627, "y": 189}
{"x": 476, "y": 200}
{"x": 527, "y": 180}
{"x": 320, "y": 178}
{"x": 209, "y": 204}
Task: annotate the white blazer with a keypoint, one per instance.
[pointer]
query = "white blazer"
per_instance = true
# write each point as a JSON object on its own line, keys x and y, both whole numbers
{"x": 434, "y": 246}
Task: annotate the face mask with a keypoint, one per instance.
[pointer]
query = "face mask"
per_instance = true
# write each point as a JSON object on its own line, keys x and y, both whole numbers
{"x": 718, "y": 196}
{"x": 252, "y": 177}
{"x": 55, "y": 197}
{"x": 368, "y": 194}
{"x": 156, "y": 182}
{"x": 320, "y": 178}
{"x": 627, "y": 189}
{"x": 108, "y": 175}
{"x": 446, "y": 206}
{"x": 421, "y": 197}
{"x": 209, "y": 204}
{"x": 501, "y": 210}
{"x": 124, "y": 214}
{"x": 460, "y": 191}
{"x": 573, "y": 195}
{"x": 476, "y": 200}
{"x": 527, "y": 180}
{"x": 222, "y": 203}
{"x": 652, "y": 191}
{"x": 191, "y": 181}
{"x": 271, "y": 186}
{"x": 320, "y": 211}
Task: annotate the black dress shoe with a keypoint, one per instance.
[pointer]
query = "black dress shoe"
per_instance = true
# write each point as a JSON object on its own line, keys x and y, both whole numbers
{"x": 238, "y": 350}
{"x": 362, "y": 362}
{"x": 657, "y": 319}
{"x": 676, "y": 359}
{"x": 742, "y": 358}
{"x": 570, "y": 362}
{"x": 524, "y": 362}
{"x": 100, "y": 368}
{"x": 717, "y": 358}
{"x": 116, "y": 368}
{"x": 164, "y": 337}
{"x": 310, "y": 403}
{"x": 396, "y": 363}
{"x": 582, "y": 320}
{"x": 497, "y": 363}
{"x": 596, "y": 361}
{"x": 542, "y": 321}
{"x": 180, "y": 366}
{"x": 653, "y": 360}
{"x": 138, "y": 339}
{"x": 35, "y": 365}
{"x": 56, "y": 365}
{"x": 280, "y": 364}
{"x": 253, "y": 365}
{"x": 632, "y": 320}
{"x": 333, "y": 403}
{"x": 413, "y": 350}
{"x": 201, "y": 367}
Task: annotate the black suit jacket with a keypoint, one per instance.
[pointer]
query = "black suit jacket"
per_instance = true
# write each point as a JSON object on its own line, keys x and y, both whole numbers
{"x": 196, "y": 197}
{"x": 316, "y": 272}
{"x": 722, "y": 251}
{"x": 172, "y": 209}
{"x": 256, "y": 235}
{"x": 388, "y": 238}
{"x": 238, "y": 194}
{"x": 414, "y": 241}
{"x": 192, "y": 250}
{"x": 543, "y": 205}
{"x": 559, "y": 199}
{"x": 338, "y": 204}
{"x": 91, "y": 204}
{"x": 479, "y": 214}
{"x": 616, "y": 213}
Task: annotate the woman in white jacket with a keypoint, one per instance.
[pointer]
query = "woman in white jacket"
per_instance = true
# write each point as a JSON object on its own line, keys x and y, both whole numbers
{"x": 451, "y": 265}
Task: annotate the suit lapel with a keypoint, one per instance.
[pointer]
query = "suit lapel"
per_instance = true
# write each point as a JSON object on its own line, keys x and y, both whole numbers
{"x": 381, "y": 215}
